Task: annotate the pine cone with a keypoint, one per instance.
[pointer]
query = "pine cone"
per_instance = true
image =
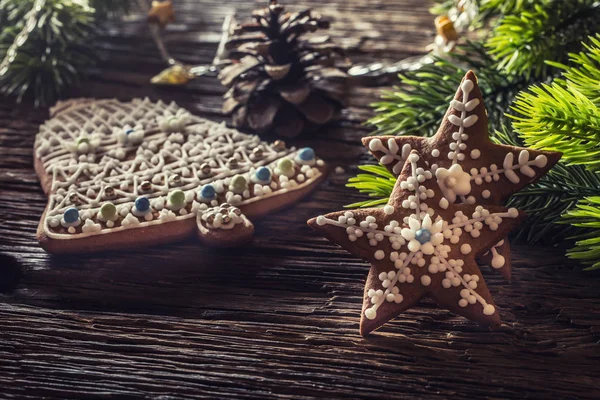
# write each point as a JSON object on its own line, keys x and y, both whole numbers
{"x": 279, "y": 81}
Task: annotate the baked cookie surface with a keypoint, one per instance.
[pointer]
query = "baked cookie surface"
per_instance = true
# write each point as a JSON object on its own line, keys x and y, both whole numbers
{"x": 129, "y": 174}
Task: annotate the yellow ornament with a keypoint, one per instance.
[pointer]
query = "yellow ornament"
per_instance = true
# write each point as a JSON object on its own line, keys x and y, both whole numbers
{"x": 445, "y": 28}
{"x": 161, "y": 13}
{"x": 175, "y": 75}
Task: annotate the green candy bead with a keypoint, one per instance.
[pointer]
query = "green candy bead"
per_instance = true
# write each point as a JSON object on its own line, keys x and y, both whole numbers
{"x": 177, "y": 197}
{"x": 285, "y": 165}
{"x": 108, "y": 210}
{"x": 238, "y": 183}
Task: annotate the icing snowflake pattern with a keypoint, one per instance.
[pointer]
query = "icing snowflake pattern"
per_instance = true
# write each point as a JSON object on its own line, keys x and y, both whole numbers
{"x": 422, "y": 240}
{"x": 120, "y": 165}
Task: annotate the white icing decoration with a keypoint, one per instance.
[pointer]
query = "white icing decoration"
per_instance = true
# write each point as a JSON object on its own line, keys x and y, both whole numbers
{"x": 453, "y": 182}
{"x": 130, "y": 221}
{"x": 392, "y": 153}
{"x": 523, "y": 165}
{"x": 463, "y": 121}
{"x": 475, "y": 154}
{"x": 149, "y": 154}
{"x": 217, "y": 217}
{"x": 408, "y": 253}
{"x": 174, "y": 122}
{"x": 90, "y": 226}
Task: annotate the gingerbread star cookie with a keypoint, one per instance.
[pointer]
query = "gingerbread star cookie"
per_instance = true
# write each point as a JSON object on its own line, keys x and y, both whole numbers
{"x": 421, "y": 245}
{"x": 468, "y": 166}
{"x": 139, "y": 173}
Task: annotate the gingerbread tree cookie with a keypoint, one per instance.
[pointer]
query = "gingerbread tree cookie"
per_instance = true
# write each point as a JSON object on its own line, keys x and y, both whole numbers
{"x": 468, "y": 166}
{"x": 125, "y": 174}
{"x": 421, "y": 244}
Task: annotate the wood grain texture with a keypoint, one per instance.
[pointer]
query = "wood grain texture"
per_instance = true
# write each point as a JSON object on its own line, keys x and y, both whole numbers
{"x": 277, "y": 318}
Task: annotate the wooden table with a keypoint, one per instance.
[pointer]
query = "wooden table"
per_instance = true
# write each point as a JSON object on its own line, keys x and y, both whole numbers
{"x": 278, "y": 318}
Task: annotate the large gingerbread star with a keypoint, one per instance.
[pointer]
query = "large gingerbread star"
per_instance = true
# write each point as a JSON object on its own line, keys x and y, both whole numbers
{"x": 468, "y": 166}
{"x": 421, "y": 244}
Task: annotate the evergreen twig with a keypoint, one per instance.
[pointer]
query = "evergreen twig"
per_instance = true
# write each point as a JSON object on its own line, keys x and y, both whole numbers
{"x": 523, "y": 42}
{"x": 47, "y": 45}
{"x": 587, "y": 248}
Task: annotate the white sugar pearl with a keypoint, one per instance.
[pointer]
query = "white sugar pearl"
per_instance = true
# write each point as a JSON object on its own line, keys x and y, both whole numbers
{"x": 489, "y": 309}
{"x": 370, "y": 313}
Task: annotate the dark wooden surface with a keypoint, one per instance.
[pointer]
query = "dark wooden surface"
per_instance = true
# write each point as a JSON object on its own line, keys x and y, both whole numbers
{"x": 278, "y": 318}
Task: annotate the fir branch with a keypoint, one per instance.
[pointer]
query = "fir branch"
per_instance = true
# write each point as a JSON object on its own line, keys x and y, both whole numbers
{"x": 46, "y": 45}
{"x": 418, "y": 105}
{"x": 377, "y": 183}
{"x": 522, "y": 43}
{"x": 558, "y": 117}
{"x": 583, "y": 73}
{"x": 587, "y": 248}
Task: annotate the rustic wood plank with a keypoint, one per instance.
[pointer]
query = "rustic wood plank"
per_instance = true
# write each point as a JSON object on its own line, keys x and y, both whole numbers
{"x": 278, "y": 318}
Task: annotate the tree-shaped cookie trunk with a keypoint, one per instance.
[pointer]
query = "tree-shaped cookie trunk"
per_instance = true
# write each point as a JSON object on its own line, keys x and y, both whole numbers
{"x": 279, "y": 80}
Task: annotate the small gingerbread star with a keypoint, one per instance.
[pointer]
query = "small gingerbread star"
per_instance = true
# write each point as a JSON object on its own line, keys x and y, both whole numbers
{"x": 161, "y": 13}
{"x": 421, "y": 245}
{"x": 467, "y": 165}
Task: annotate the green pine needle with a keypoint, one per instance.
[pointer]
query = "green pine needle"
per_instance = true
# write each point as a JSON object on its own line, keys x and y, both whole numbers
{"x": 558, "y": 117}
{"x": 377, "y": 183}
{"x": 583, "y": 73}
{"x": 587, "y": 248}
{"x": 418, "y": 105}
{"x": 523, "y": 42}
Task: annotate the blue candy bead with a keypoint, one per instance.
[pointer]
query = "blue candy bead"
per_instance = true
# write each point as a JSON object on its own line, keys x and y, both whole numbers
{"x": 142, "y": 204}
{"x": 208, "y": 192}
{"x": 71, "y": 215}
{"x": 306, "y": 154}
{"x": 423, "y": 236}
{"x": 263, "y": 174}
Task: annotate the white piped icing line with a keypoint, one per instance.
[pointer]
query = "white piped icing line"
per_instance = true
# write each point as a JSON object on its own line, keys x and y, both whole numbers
{"x": 393, "y": 154}
{"x": 147, "y": 149}
{"x": 462, "y": 122}
{"x": 222, "y": 217}
{"x": 423, "y": 240}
